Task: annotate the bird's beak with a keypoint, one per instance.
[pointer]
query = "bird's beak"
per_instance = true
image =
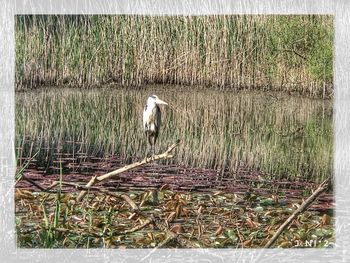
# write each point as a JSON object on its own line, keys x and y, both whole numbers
{"x": 158, "y": 101}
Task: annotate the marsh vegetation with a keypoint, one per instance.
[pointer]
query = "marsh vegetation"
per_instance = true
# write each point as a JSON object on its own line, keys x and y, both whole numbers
{"x": 200, "y": 220}
{"x": 250, "y": 99}
{"x": 285, "y": 53}
{"x": 287, "y": 137}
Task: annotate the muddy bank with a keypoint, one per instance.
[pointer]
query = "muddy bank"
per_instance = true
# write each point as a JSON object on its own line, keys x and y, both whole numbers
{"x": 249, "y": 183}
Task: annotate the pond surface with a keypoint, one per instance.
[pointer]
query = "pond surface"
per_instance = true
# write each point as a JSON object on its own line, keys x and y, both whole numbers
{"x": 279, "y": 135}
{"x": 245, "y": 160}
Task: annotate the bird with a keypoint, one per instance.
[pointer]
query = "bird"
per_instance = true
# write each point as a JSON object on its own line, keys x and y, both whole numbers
{"x": 152, "y": 120}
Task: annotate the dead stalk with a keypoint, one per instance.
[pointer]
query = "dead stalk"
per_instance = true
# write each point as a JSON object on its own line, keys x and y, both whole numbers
{"x": 323, "y": 186}
{"x": 166, "y": 155}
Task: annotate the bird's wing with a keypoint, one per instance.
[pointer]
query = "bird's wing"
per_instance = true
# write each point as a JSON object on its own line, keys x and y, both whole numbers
{"x": 158, "y": 117}
{"x": 145, "y": 117}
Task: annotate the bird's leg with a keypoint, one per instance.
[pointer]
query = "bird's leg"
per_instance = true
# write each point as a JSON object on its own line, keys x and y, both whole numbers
{"x": 153, "y": 152}
{"x": 147, "y": 150}
{"x": 154, "y": 191}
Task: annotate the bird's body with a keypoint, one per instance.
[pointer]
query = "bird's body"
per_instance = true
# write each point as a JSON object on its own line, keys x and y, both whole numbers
{"x": 151, "y": 123}
{"x": 152, "y": 119}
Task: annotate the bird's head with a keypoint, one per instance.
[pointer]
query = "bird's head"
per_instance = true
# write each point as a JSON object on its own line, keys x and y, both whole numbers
{"x": 155, "y": 100}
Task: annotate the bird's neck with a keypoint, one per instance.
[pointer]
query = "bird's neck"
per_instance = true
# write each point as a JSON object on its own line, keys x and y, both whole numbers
{"x": 151, "y": 106}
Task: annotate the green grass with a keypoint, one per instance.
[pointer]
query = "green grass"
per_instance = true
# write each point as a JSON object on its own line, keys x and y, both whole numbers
{"x": 267, "y": 52}
{"x": 284, "y": 136}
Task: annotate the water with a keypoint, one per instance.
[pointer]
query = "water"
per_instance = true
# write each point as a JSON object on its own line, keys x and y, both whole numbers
{"x": 282, "y": 136}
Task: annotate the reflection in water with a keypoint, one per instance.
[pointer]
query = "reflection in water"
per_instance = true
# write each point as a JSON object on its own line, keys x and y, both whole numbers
{"x": 278, "y": 134}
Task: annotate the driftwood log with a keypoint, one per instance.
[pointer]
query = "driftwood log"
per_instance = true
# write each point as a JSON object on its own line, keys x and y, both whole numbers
{"x": 96, "y": 179}
{"x": 322, "y": 187}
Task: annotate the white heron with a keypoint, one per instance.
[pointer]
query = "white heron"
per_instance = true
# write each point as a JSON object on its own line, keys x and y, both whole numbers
{"x": 152, "y": 119}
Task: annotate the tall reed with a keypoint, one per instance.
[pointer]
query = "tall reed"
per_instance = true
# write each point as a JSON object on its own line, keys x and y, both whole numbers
{"x": 281, "y": 135}
{"x": 267, "y": 52}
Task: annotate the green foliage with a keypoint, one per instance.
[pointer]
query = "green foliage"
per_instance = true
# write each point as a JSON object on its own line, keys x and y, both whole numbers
{"x": 320, "y": 64}
{"x": 292, "y": 53}
{"x": 299, "y": 41}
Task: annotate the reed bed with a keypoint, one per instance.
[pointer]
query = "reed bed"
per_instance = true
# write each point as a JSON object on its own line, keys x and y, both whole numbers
{"x": 284, "y": 136}
{"x": 265, "y": 52}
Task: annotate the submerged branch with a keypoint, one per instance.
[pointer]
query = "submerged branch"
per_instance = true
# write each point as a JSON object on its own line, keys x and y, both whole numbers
{"x": 95, "y": 179}
{"x": 34, "y": 183}
{"x": 322, "y": 187}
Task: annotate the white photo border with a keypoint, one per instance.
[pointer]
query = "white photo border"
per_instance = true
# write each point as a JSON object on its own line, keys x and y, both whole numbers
{"x": 341, "y": 11}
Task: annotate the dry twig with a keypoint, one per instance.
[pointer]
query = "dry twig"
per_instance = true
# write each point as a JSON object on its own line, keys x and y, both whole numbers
{"x": 323, "y": 186}
{"x": 166, "y": 155}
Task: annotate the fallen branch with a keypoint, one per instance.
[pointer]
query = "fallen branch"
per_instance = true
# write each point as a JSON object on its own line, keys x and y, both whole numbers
{"x": 78, "y": 233}
{"x": 323, "y": 186}
{"x": 294, "y": 51}
{"x": 130, "y": 202}
{"x": 170, "y": 236}
{"x": 28, "y": 231}
{"x": 33, "y": 183}
{"x": 95, "y": 179}
{"x": 126, "y": 198}
{"x": 139, "y": 227}
{"x": 75, "y": 185}
{"x": 83, "y": 187}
